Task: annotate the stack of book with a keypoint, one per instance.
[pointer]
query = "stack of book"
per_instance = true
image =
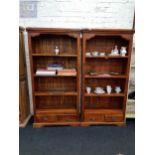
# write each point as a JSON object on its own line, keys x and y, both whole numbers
{"x": 45, "y": 72}
{"x": 54, "y": 67}
{"x": 67, "y": 72}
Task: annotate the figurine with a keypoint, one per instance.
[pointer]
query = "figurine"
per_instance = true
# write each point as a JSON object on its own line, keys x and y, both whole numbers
{"x": 115, "y": 51}
{"x": 123, "y": 51}
{"x": 109, "y": 89}
{"x": 117, "y": 89}
{"x": 56, "y": 50}
{"x": 88, "y": 89}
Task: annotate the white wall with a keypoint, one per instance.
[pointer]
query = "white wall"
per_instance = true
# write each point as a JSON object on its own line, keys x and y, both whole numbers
{"x": 82, "y": 14}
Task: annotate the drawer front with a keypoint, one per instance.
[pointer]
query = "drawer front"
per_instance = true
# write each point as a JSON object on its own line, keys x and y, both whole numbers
{"x": 56, "y": 118}
{"x": 114, "y": 118}
{"x": 67, "y": 118}
{"x": 94, "y": 117}
{"x": 46, "y": 118}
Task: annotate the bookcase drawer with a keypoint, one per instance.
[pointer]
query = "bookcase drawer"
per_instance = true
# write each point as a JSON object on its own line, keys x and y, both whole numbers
{"x": 56, "y": 118}
{"x": 114, "y": 118}
{"x": 67, "y": 118}
{"x": 94, "y": 117}
{"x": 46, "y": 118}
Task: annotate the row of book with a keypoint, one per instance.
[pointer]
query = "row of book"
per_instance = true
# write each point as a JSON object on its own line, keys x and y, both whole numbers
{"x": 56, "y": 69}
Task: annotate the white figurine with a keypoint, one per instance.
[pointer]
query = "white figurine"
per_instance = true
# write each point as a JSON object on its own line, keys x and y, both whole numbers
{"x": 88, "y": 89}
{"x": 117, "y": 89}
{"x": 56, "y": 50}
{"x": 109, "y": 89}
{"x": 115, "y": 51}
{"x": 123, "y": 51}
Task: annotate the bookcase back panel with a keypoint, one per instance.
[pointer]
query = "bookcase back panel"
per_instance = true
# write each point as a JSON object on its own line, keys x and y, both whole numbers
{"x": 46, "y": 43}
{"x": 104, "y": 82}
{"x": 104, "y": 103}
{"x": 106, "y": 66}
{"x": 56, "y": 102}
{"x": 55, "y": 84}
{"x": 105, "y": 43}
{"x": 43, "y": 62}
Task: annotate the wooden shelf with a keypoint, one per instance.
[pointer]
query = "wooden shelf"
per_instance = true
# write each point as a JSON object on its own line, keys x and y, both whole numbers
{"x": 106, "y": 95}
{"x": 55, "y": 75}
{"x": 56, "y": 93}
{"x": 53, "y": 55}
{"x": 107, "y": 57}
{"x": 111, "y": 76}
{"x": 55, "y": 111}
{"x": 105, "y": 111}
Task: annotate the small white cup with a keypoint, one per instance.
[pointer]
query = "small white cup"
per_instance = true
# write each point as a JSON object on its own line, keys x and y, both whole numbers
{"x": 88, "y": 89}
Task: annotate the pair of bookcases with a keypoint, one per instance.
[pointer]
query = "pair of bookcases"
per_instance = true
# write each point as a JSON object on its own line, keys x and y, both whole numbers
{"x": 62, "y": 99}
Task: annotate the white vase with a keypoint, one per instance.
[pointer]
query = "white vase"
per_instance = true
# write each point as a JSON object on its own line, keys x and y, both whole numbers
{"x": 88, "y": 90}
{"x": 123, "y": 51}
{"x": 109, "y": 89}
{"x": 115, "y": 51}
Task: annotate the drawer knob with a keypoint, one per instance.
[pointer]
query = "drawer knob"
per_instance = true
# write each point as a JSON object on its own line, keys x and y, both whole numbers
{"x": 92, "y": 119}
{"x": 45, "y": 118}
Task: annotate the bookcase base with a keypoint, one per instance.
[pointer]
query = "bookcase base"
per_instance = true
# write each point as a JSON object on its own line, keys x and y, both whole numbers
{"x": 72, "y": 124}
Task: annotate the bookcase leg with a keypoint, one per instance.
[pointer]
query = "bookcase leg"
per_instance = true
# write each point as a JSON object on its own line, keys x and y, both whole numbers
{"x": 121, "y": 124}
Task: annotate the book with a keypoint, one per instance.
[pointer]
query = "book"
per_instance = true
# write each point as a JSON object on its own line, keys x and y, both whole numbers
{"x": 54, "y": 67}
{"x": 67, "y": 72}
{"x": 45, "y": 72}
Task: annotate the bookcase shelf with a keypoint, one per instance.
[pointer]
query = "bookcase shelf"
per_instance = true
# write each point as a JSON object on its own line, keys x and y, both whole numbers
{"x": 53, "y": 55}
{"x": 109, "y": 76}
{"x": 106, "y": 57}
{"x": 96, "y": 72}
{"x": 105, "y": 95}
{"x": 56, "y": 98}
{"x": 54, "y": 76}
{"x": 56, "y": 93}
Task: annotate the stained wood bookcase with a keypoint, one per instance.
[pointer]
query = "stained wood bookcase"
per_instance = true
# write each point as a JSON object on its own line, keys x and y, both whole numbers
{"x": 105, "y": 108}
{"x": 56, "y": 99}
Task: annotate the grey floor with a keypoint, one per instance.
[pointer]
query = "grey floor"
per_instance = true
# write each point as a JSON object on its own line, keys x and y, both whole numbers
{"x": 93, "y": 140}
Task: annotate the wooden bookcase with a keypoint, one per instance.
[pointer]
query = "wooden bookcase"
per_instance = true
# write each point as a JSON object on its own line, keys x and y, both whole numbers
{"x": 105, "y": 108}
{"x": 56, "y": 99}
